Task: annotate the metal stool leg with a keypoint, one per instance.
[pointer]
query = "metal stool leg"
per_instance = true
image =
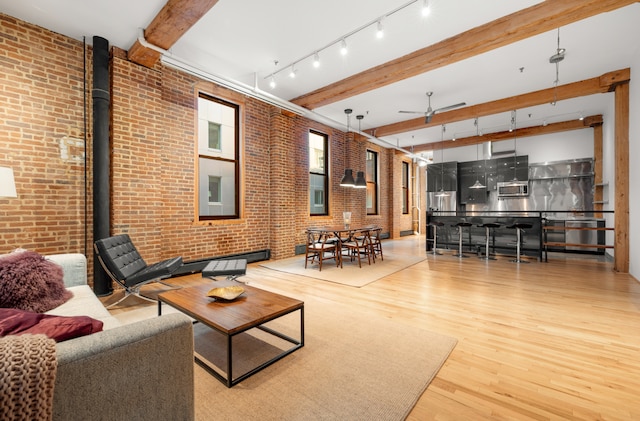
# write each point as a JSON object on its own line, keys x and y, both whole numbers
{"x": 518, "y": 237}
{"x": 435, "y": 240}
{"x": 459, "y": 254}
{"x": 487, "y": 256}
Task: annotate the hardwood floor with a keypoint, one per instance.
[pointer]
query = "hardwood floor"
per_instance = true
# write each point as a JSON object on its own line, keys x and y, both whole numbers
{"x": 537, "y": 341}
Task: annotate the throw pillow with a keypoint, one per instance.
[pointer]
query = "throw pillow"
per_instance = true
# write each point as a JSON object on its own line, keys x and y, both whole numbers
{"x": 30, "y": 282}
{"x": 59, "y": 328}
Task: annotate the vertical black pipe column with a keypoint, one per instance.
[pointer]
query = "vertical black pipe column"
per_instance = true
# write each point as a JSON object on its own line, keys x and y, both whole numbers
{"x": 101, "y": 158}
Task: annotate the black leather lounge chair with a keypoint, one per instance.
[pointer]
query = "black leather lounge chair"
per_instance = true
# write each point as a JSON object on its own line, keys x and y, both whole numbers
{"x": 122, "y": 262}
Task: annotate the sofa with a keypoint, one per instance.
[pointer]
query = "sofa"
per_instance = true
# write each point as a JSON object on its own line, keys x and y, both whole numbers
{"x": 143, "y": 370}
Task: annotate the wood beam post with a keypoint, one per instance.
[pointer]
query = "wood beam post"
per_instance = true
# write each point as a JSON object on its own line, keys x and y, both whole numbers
{"x": 621, "y": 225}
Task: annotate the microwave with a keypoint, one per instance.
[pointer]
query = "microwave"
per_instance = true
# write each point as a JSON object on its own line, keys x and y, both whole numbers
{"x": 513, "y": 189}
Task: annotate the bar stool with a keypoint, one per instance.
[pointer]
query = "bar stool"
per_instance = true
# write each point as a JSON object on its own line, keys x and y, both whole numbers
{"x": 488, "y": 226}
{"x": 461, "y": 225}
{"x": 435, "y": 225}
{"x": 519, "y": 227}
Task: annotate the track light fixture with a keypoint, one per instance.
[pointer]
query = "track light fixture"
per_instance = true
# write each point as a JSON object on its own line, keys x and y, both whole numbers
{"x": 380, "y": 31}
{"x": 426, "y": 10}
{"x": 272, "y": 82}
{"x": 292, "y": 73}
{"x": 342, "y": 41}
{"x": 343, "y": 47}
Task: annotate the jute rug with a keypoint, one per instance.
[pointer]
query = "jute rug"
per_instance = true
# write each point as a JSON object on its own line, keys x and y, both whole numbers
{"x": 353, "y": 367}
{"x": 350, "y": 274}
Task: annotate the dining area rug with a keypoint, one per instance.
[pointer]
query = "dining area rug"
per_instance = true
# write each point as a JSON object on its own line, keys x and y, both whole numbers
{"x": 350, "y": 274}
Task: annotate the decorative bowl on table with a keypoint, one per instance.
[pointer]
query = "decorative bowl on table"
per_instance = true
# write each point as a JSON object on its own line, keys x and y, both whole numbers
{"x": 226, "y": 293}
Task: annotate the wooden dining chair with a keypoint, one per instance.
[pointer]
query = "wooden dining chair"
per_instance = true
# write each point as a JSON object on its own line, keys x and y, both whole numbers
{"x": 376, "y": 244}
{"x": 321, "y": 246}
{"x": 359, "y": 245}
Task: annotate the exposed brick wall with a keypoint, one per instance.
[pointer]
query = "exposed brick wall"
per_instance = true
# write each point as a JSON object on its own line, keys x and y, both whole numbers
{"x": 42, "y": 139}
{"x": 153, "y": 132}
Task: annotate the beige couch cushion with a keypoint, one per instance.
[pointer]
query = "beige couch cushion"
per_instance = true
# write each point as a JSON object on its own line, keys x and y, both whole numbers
{"x": 85, "y": 303}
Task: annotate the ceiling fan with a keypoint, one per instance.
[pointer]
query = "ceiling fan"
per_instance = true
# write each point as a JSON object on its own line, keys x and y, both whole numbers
{"x": 428, "y": 115}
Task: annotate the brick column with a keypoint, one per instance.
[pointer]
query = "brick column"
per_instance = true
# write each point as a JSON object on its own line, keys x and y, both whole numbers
{"x": 282, "y": 226}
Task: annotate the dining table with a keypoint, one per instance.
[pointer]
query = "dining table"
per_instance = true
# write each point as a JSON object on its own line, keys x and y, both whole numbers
{"x": 342, "y": 233}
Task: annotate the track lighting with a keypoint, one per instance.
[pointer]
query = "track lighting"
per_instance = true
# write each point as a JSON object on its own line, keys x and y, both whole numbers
{"x": 272, "y": 82}
{"x": 342, "y": 40}
{"x": 343, "y": 47}
{"x": 292, "y": 73}
{"x": 426, "y": 10}
{"x": 380, "y": 31}
{"x": 581, "y": 117}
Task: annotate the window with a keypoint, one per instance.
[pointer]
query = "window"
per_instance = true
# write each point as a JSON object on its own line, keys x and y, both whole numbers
{"x": 372, "y": 183}
{"x": 318, "y": 174}
{"x": 405, "y": 187}
{"x": 218, "y": 158}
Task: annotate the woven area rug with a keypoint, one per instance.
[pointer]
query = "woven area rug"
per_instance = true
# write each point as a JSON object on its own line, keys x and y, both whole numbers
{"x": 350, "y": 274}
{"x": 353, "y": 367}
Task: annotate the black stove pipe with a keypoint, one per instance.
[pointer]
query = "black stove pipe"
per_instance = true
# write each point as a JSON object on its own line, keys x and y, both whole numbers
{"x": 101, "y": 158}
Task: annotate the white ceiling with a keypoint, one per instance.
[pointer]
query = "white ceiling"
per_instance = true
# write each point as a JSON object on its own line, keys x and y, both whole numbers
{"x": 241, "y": 40}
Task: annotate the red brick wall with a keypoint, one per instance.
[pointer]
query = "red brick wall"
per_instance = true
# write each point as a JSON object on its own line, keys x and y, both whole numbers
{"x": 41, "y": 138}
{"x": 153, "y": 132}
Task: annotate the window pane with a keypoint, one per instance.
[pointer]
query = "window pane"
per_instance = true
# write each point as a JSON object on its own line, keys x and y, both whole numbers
{"x": 372, "y": 183}
{"x": 371, "y": 166}
{"x": 317, "y": 194}
{"x": 217, "y": 129}
{"x": 405, "y": 187}
{"x": 316, "y": 153}
{"x": 217, "y": 195}
{"x": 318, "y": 173}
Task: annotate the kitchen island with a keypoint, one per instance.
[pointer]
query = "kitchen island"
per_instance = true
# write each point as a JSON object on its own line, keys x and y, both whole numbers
{"x": 502, "y": 240}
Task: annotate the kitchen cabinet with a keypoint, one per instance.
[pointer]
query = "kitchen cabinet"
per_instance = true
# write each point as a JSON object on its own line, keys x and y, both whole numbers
{"x": 510, "y": 167}
{"x": 442, "y": 176}
{"x": 468, "y": 173}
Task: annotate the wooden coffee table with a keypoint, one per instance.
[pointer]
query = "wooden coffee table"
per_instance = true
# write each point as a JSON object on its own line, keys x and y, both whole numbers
{"x": 251, "y": 310}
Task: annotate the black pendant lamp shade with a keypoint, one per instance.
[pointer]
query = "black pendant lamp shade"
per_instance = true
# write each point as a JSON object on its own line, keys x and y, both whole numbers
{"x": 347, "y": 179}
{"x": 361, "y": 182}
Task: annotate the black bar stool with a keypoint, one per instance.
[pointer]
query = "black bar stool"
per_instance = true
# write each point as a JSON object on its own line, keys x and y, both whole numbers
{"x": 435, "y": 225}
{"x": 461, "y": 225}
{"x": 519, "y": 227}
{"x": 488, "y": 226}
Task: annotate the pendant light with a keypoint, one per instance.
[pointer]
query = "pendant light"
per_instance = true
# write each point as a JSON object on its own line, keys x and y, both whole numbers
{"x": 514, "y": 123}
{"x": 361, "y": 181}
{"x": 477, "y": 185}
{"x": 442, "y": 193}
{"x": 347, "y": 179}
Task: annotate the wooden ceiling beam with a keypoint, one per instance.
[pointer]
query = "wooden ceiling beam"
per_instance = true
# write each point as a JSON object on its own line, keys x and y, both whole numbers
{"x": 173, "y": 21}
{"x": 524, "y": 132}
{"x": 597, "y": 85}
{"x": 545, "y": 16}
